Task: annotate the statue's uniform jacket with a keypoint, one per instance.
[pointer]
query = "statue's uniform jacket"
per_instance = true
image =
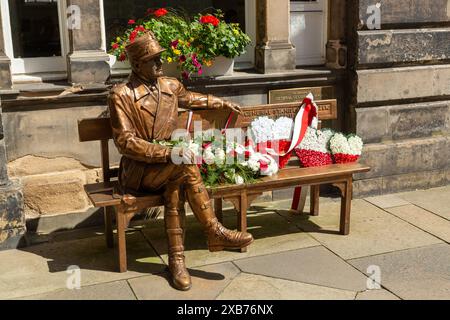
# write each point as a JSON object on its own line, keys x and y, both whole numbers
{"x": 138, "y": 116}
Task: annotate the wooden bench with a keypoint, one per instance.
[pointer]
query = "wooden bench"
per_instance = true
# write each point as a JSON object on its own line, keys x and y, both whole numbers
{"x": 105, "y": 195}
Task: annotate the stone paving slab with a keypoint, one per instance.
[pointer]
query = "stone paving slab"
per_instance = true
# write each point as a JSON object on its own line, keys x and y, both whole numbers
{"x": 207, "y": 283}
{"x": 387, "y": 201}
{"x": 435, "y": 200}
{"x": 119, "y": 290}
{"x": 315, "y": 265}
{"x": 372, "y": 231}
{"x": 42, "y": 268}
{"x": 256, "y": 287}
{"x": 272, "y": 234}
{"x": 420, "y": 273}
{"x": 424, "y": 220}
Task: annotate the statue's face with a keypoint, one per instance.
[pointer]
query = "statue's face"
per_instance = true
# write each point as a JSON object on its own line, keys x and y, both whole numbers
{"x": 149, "y": 69}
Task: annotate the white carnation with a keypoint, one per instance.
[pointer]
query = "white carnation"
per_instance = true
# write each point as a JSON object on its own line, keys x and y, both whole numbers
{"x": 323, "y": 140}
{"x": 339, "y": 144}
{"x": 261, "y": 129}
{"x": 356, "y": 145}
{"x": 310, "y": 141}
{"x": 239, "y": 179}
{"x": 283, "y": 129}
{"x": 208, "y": 156}
{"x": 253, "y": 162}
{"x": 219, "y": 156}
{"x": 193, "y": 147}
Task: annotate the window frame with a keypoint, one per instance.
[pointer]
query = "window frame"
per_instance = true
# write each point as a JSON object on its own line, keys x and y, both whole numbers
{"x": 26, "y": 66}
{"x": 312, "y": 7}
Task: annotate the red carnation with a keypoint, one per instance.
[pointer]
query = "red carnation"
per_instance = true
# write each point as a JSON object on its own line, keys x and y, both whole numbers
{"x": 131, "y": 21}
{"x": 122, "y": 57}
{"x": 161, "y": 12}
{"x": 210, "y": 19}
{"x": 139, "y": 29}
{"x": 133, "y": 36}
{"x": 115, "y": 46}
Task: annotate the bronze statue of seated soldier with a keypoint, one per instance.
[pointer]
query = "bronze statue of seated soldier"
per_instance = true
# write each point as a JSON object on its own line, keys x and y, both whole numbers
{"x": 144, "y": 109}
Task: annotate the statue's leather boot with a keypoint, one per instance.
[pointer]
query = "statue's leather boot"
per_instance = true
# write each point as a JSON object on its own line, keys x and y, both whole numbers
{"x": 219, "y": 237}
{"x": 174, "y": 217}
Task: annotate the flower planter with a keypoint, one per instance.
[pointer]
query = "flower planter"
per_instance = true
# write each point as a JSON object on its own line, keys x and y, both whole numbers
{"x": 222, "y": 67}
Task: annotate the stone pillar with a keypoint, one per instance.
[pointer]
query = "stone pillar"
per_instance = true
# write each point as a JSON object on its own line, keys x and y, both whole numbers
{"x": 274, "y": 51}
{"x": 5, "y": 62}
{"x": 336, "y": 47}
{"x": 87, "y": 61}
{"x": 12, "y": 217}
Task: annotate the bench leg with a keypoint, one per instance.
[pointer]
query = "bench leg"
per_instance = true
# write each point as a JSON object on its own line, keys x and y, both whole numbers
{"x": 314, "y": 200}
{"x": 121, "y": 239}
{"x": 346, "y": 203}
{"x": 218, "y": 209}
{"x": 108, "y": 214}
{"x": 242, "y": 215}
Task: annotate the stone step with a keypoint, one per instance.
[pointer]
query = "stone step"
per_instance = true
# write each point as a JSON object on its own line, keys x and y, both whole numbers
{"x": 412, "y": 181}
{"x": 406, "y": 121}
{"x": 404, "y": 157}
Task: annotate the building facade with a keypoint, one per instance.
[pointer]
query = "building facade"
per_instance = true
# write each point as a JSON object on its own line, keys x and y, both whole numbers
{"x": 387, "y": 62}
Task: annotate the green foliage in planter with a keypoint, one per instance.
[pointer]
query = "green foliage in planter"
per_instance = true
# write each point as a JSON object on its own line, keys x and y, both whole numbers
{"x": 188, "y": 43}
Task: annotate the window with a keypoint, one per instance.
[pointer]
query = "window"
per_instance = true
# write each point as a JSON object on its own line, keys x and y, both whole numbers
{"x": 34, "y": 36}
{"x": 309, "y": 31}
{"x": 118, "y": 12}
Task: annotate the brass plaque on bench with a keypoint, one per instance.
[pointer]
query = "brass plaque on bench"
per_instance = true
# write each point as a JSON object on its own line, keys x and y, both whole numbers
{"x": 298, "y": 94}
{"x": 327, "y": 111}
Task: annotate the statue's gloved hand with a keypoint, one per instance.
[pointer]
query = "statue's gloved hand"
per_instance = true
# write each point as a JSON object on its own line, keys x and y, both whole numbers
{"x": 184, "y": 155}
{"x": 233, "y": 106}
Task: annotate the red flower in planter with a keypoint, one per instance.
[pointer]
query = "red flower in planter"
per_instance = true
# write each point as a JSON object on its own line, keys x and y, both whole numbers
{"x": 135, "y": 33}
{"x": 139, "y": 29}
{"x": 150, "y": 11}
{"x": 133, "y": 36}
{"x": 210, "y": 19}
{"x": 115, "y": 46}
{"x": 122, "y": 57}
{"x": 131, "y": 21}
{"x": 160, "y": 12}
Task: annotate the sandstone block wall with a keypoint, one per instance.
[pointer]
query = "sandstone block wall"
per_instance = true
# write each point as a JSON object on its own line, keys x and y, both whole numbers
{"x": 400, "y": 105}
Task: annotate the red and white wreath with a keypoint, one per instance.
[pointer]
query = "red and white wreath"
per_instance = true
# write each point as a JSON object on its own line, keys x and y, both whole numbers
{"x": 313, "y": 151}
{"x": 346, "y": 149}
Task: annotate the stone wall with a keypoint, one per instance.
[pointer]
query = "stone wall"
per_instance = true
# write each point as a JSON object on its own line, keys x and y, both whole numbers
{"x": 400, "y": 80}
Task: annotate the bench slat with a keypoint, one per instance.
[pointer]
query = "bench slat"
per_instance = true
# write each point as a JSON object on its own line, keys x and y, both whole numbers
{"x": 297, "y": 176}
{"x": 101, "y": 194}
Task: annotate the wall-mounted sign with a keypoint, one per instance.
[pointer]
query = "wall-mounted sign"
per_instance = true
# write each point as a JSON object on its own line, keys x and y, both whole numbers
{"x": 298, "y": 94}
